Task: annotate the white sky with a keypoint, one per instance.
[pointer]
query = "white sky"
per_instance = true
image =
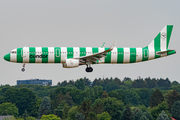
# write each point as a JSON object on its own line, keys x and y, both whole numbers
{"x": 82, "y": 23}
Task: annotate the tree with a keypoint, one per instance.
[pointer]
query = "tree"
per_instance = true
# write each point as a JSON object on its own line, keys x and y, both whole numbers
{"x": 92, "y": 116}
{"x": 104, "y": 116}
{"x": 96, "y": 82}
{"x": 163, "y": 116}
{"x": 128, "y": 83}
{"x": 45, "y": 107}
{"x": 23, "y": 98}
{"x": 58, "y": 84}
{"x": 30, "y": 118}
{"x": 143, "y": 117}
{"x": 65, "y": 111}
{"x": 64, "y": 83}
{"x": 19, "y": 119}
{"x": 87, "y": 81}
{"x": 156, "y": 98}
{"x": 137, "y": 115}
{"x": 77, "y": 95}
{"x": 59, "y": 110}
{"x": 139, "y": 83}
{"x": 172, "y": 97}
{"x": 175, "y": 83}
{"x": 148, "y": 115}
{"x": 25, "y": 115}
{"x": 131, "y": 96}
{"x": 57, "y": 98}
{"x": 164, "y": 83}
{"x": 85, "y": 107}
{"x": 117, "y": 94}
{"x": 117, "y": 81}
{"x": 142, "y": 107}
{"x": 104, "y": 95}
{"x": 80, "y": 116}
{"x": 98, "y": 107}
{"x": 80, "y": 84}
{"x": 50, "y": 117}
{"x": 144, "y": 96}
{"x": 71, "y": 83}
{"x": 175, "y": 111}
{"x": 8, "y": 109}
{"x": 72, "y": 113}
{"x": 151, "y": 82}
{"x": 114, "y": 107}
{"x": 155, "y": 111}
{"x": 68, "y": 99}
{"x": 127, "y": 114}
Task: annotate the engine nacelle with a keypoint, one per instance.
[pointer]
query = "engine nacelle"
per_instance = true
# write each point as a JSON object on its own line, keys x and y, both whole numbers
{"x": 71, "y": 63}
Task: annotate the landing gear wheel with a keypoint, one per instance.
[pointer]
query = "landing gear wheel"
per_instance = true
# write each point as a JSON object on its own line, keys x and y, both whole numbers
{"x": 89, "y": 69}
{"x": 23, "y": 69}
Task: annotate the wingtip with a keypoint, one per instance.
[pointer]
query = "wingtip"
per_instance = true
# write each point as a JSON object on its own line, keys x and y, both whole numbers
{"x": 113, "y": 45}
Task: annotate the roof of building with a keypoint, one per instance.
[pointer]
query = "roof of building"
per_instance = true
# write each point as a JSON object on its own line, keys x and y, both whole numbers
{"x": 7, "y": 116}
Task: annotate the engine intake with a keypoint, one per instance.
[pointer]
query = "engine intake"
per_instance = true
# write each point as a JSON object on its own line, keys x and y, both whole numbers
{"x": 71, "y": 63}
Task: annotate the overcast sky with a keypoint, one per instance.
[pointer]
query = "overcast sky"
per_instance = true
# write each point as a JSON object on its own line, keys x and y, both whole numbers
{"x": 87, "y": 23}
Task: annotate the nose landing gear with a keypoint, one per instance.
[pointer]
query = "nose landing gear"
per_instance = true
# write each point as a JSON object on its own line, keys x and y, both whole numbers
{"x": 23, "y": 69}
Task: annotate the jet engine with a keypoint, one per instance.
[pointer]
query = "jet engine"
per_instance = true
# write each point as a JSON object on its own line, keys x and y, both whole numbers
{"x": 71, "y": 63}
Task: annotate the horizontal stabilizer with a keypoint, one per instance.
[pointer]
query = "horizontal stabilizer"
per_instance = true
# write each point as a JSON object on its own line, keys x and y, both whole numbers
{"x": 163, "y": 52}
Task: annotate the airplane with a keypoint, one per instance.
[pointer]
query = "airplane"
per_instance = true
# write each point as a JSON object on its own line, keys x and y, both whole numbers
{"x": 72, "y": 57}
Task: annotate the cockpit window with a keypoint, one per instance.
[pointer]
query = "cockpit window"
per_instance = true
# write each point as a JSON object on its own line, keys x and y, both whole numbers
{"x": 13, "y": 52}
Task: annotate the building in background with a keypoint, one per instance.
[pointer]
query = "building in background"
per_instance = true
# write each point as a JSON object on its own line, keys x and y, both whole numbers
{"x": 35, "y": 82}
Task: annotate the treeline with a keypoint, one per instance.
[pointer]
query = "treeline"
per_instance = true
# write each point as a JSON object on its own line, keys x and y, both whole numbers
{"x": 127, "y": 83}
{"x": 102, "y": 99}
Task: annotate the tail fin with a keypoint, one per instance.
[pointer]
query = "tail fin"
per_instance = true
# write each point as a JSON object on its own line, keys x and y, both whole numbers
{"x": 161, "y": 41}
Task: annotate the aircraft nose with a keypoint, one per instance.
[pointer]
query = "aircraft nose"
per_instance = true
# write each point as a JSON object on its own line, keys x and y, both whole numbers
{"x": 7, "y": 57}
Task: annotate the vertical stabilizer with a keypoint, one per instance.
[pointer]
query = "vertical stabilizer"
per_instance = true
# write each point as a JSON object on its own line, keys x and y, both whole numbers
{"x": 161, "y": 41}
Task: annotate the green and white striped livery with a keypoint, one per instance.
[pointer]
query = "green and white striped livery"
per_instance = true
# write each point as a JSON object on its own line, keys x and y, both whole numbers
{"x": 72, "y": 57}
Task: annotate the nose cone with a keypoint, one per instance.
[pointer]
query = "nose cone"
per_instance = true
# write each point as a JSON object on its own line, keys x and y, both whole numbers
{"x": 7, "y": 57}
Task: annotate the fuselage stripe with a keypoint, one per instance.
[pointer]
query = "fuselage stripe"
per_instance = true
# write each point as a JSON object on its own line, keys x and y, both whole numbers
{"x": 132, "y": 55}
{"x": 108, "y": 56}
{"x": 32, "y": 52}
{"x": 70, "y": 52}
{"x": 19, "y": 55}
{"x": 157, "y": 45}
{"x": 120, "y": 55}
{"x": 82, "y": 51}
{"x": 44, "y": 55}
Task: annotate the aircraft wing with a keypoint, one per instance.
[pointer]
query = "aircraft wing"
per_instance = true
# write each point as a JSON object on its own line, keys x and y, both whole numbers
{"x": 97, "y": 56}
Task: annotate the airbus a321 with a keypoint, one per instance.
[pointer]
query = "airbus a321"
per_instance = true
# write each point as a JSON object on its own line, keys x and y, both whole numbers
{"x": 72, "y": 57}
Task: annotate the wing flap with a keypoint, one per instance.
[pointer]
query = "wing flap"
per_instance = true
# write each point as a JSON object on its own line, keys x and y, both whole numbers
{"x": 163, "y": 52}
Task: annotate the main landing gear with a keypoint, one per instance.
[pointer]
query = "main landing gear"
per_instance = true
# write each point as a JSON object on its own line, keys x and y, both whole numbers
{"x": 23, "y": 69}
{"x": 89, "y": 69}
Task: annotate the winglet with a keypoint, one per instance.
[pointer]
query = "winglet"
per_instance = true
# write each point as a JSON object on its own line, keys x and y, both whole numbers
{"x": 113, "y": 45}
{"x": 102, "y": 45}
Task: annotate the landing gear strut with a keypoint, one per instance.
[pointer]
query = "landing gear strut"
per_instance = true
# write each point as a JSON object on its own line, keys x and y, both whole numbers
{"x": 23, "y": 69}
